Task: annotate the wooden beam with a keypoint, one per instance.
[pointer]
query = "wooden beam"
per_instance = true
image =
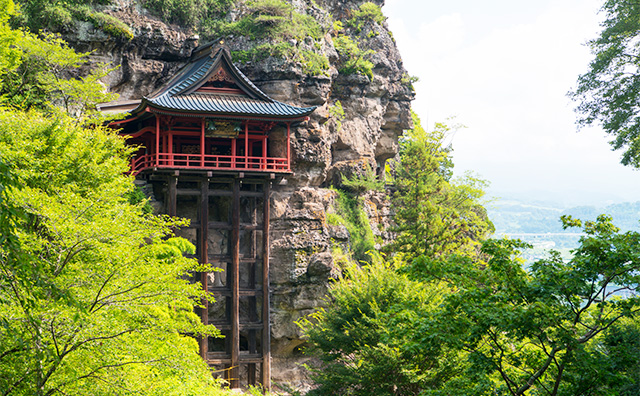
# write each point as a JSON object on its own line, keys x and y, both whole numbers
{"x": 266, "y": 325}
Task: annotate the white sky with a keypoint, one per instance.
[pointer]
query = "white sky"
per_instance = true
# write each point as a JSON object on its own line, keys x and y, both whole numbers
{"x": 503, "y": 68}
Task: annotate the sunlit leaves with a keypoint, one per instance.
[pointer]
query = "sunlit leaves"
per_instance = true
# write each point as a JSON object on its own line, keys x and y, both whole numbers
{"x": 94, "y": 299}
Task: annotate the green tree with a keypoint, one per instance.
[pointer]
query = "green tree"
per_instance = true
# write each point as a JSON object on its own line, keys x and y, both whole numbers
{"x": 9, "y": 55}
{"x": 435, "y": 215}
{"x": 608, "y": 92}
{"x": 93, "y": 296}
{"x": 375, "y": 338}
{"x": 535, "y": 331}
{"x": 47, "y": 76}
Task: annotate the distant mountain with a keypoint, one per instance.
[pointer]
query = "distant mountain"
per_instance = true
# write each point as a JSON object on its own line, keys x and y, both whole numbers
{"x": 531, "y": 217}
{"x": 538, "y": 222}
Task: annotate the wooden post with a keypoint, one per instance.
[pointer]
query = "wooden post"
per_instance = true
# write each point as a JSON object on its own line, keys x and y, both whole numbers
{"x": 235, "y": 287}
{"x": 204, "y": 257}
{"x": 266, "y": 325}
{"x": 172, "y": 199}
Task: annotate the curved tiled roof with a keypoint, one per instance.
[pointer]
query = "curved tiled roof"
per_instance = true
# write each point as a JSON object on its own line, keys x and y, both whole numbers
{"x": 229, "y": 104}
{"x": 179, "y": 93}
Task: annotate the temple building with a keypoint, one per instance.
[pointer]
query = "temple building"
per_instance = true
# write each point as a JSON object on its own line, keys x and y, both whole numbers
{"x": 210, "y": 143}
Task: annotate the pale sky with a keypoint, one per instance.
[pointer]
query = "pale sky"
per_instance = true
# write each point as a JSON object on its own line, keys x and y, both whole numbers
{"x": 503, "y": 69}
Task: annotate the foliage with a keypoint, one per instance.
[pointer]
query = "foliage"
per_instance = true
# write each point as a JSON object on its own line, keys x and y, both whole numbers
{"x": 93, "y": 297}
{"x": 42, "y": 78}
{"x": 107, "y": 23}
{"x": 336, "y": 112}
{"x": 537, "y": 331}
{"x": 59, "y": 15}
{"x": 353, "y": 59}
{"x": 363, "y": 181}
{"x": 279, "y": 29}
{"x": 367, "y": 12}
{"x": 408, "y": 80}
{"x": 608, "y": 93}
{"x": 373, "y": 337}
{"x": 312, "y": 63}
{"x": 136, "y": 196}
{"x": 189, "y": 12}
{"x": 435, "y": 215}
{"x": 273, "y": 19}
{"x": 350, "y": 214}
{"x": 9, "y": 55}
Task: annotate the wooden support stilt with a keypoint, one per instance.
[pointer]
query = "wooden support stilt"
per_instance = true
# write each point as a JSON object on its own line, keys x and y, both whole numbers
{"x": 235, "y": 287}
{"x": 204, "y": 256}
{"x": 172, "y": 196}
{"x": 253, "y": 304}
{"x": 266, "y": 325}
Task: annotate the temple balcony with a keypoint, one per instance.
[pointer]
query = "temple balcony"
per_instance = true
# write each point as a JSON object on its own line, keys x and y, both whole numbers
{"x": 207, "y": 144}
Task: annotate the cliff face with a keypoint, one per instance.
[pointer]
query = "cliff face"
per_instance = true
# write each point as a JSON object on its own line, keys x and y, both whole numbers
{"x": 376, "y": 110}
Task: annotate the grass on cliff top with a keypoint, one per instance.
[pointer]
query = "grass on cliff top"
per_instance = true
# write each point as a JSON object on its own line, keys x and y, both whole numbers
{"x": 59, "y": 15}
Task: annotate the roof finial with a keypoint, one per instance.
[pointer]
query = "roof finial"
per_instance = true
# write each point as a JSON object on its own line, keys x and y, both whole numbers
{"x": 221, "y": 46}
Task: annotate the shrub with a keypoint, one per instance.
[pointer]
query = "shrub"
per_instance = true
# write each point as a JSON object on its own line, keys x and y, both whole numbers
{"x": 188, "y": 12}
{"x": 368, "y": 12}
{"x": 360, "y": 182}
{"x": 59, "y": 16}
{"x": 354, "y": 59}
{"x": 349, "y": 213}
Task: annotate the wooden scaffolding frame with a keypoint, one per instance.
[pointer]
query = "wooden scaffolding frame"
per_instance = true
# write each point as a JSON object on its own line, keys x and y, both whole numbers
{"x": 246, "y": 326}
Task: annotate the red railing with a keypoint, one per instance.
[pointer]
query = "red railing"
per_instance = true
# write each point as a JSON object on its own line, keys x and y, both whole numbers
{"x": 198, "y": 161}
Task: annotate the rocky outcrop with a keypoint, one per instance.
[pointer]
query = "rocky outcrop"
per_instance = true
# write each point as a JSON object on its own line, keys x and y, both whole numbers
{"x": 376, "y": 111}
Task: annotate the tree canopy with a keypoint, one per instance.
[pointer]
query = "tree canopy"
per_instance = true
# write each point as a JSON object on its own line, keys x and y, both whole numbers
{"x": 95, "y": 297}
{"x": 435, "y": 213}
{"x": 609, "y": 92}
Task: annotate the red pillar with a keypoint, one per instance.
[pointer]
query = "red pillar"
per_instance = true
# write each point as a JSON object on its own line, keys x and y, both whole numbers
{"x": 288, "y": 145}
{"x": 202, "y": 145}
{"x": 264, "y": 152}
{"x": 246, "y": 145}
{"x": 233, "y": 153}
{"x": 157, "y": 140}
{"x": 170, "y": 148}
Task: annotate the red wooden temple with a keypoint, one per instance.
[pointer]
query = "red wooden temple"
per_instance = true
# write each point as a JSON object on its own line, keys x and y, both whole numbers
{"x": 210, "y": 143}
{"x": 209, "y": 117}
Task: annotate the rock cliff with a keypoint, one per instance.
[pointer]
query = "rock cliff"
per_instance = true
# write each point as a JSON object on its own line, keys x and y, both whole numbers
{"x": 358, "y": 122}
